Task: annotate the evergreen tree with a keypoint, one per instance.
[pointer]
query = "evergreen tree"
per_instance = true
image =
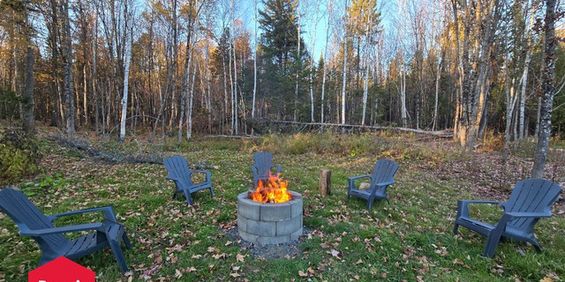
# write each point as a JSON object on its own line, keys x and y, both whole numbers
{"x": 279, "y": 48}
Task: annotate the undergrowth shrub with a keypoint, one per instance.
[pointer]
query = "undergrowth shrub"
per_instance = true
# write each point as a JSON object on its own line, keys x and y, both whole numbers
{"x": 492, "y": 142}
{"x": 400, "y": 148}
{"x": 19, "y": 156}
{"x": 524, "y": 148}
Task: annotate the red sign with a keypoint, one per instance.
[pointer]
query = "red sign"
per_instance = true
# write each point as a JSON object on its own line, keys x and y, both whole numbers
{"x": 61, "y": 269}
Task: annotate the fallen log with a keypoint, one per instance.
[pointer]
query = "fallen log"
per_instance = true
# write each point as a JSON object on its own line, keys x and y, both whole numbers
{"x": 85, "y": 147}
{"x": 262, "y": 124}
{"x": 232, "y": 136}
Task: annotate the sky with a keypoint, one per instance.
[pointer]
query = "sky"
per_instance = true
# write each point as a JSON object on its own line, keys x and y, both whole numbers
{"x": 314, "y": 19}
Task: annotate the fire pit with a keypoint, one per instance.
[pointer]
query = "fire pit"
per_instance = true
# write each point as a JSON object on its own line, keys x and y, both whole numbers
{"x": 271, "y": 214}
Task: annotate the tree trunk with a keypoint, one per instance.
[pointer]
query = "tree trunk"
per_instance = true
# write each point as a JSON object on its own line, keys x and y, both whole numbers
{"x": 27, "y": 103}
{"x": 403, "y": 111}
{"x": 538, "y": 116}
{"x": 225, "y": 88}
{"x": 366, "y": 80}
{"x": 127, "y": 60}
{"x": 298, "y": 63}
{"x": 236, "y": 110}
{"x": 94, "y": 74}
{"x": 68, "y": 69}
{"x": 436, "y": 97}
{"x": 344, "y": 80}
{"x": 473, "y": 64}
{"x": 185, "y": 80}
{"x": 548, "y": 90}
{"x": 254, "y": 63}
{"x": 190, "y": 106}
{"x": 524, "y": 79}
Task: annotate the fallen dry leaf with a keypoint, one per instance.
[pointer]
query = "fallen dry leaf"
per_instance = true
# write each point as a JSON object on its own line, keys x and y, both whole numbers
{"x": 335, "y": 253}
{"x": 240, "y": 257}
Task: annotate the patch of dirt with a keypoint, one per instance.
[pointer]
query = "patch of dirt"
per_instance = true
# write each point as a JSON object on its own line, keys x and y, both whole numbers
{"x": 288, "y": 250}
{"x": 493, "y": 176}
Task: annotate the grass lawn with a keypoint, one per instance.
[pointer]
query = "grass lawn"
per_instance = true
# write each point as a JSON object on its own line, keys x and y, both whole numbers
{"x": 408, "y": 239}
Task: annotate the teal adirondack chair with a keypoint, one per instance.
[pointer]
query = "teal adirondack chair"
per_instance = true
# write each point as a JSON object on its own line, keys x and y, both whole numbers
{"x": 263, "y": 166}
{"x": 381, "y": 177}
{"x": 181, "y": 174}
{"x": 51, "y": 239}
{"x": 530, "y": 201}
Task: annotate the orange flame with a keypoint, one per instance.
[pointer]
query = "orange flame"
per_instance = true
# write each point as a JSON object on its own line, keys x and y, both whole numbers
{"x": 271, "y": 190}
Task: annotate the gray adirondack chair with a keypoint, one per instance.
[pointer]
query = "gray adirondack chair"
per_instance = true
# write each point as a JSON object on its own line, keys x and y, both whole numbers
{"x": 381, "y": 177}
{"x": 531, "y": 199}
{"x": 180, "y": 173}
{"x": 263, "y": 166}
{"x": 51, "y": 239}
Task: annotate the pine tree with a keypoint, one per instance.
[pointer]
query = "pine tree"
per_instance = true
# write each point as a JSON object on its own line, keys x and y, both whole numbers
{"x": 279, "y": 45}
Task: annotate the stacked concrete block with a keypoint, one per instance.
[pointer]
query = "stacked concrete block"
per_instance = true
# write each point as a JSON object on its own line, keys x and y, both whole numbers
{"x": 266, "y": 224}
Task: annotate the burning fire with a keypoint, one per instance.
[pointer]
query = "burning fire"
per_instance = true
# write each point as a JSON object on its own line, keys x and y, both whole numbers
{"x": 271, "y": 190}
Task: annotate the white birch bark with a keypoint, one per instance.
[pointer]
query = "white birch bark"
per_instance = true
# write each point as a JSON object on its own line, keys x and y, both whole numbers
{"x": 511, "y": 100}
{"x": 225, "y": 80}
{"x": 344, "y": 81}
{"x": 236, "y": 108}
{"x": 184, "y": 90}
{"x": 524, "y": 79}
{"x": 403, "y": 112}
{"x": 365, "y": 92}
{"x": 127, "y": 60}
{"x": 190, "y": 105}
{"x": 311, "y": 83}
{"x": 548, "y": 85}
{"x": 232, "y": 94}
{"x": 436, "y": 96}
{"x": 298, "y": 57}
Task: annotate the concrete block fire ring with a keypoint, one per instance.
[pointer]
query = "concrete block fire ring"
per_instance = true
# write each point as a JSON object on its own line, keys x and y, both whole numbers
{"x": 268, "y": 224}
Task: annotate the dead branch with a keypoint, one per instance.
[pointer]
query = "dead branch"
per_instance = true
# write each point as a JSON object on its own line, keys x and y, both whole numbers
{"x": 112, "y": 157}
{"x": 258, "y": 125}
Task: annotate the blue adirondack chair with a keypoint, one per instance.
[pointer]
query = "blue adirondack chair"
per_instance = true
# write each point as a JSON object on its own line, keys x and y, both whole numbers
{"x": 51, "y": 239}
{"x": 263, "y": 166}
{"x": 180, "y": 173}
{"x": 381, "y": 177}
{"x": 530, "y": 200}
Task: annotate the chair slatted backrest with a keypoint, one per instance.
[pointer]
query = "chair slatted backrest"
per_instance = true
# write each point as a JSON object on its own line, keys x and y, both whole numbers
{"x": 383, "y": 171}
{"x": 262, "y": 162}
{"x": 178, "y": 169}
{"x": 531, "y": 195}
{"x": 22, "y": 211}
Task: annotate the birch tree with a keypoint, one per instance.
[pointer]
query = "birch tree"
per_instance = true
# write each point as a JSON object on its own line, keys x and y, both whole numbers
{"x": 193, "y": 11}
{"x": 254, "y": 60}
{"x": 298, "y": 56}
{"x": 345, "y": 55}
{"x": 528, "y": 58}
{"x": 324, "y": 74}
{"x": 474, "y": 42}
{"x": 403, "y": 110}
{"x": 128, "y": 30}
{"x": 550, "y": 44}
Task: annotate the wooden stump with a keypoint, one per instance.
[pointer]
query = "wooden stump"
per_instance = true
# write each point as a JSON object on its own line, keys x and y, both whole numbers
{"x": 325, "y": 182}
